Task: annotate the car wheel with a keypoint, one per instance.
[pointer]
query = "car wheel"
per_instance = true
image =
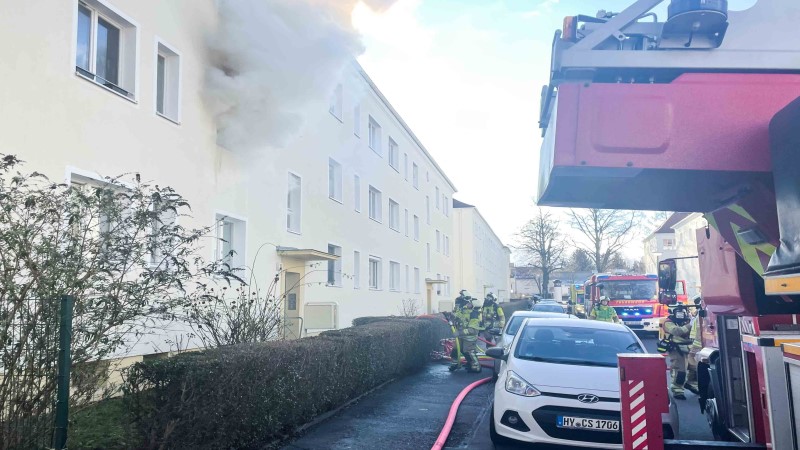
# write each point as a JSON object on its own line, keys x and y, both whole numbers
{"x": 496, "y": 438}
{"x": 718, "y": 429}
{"x": 496, "y": 371}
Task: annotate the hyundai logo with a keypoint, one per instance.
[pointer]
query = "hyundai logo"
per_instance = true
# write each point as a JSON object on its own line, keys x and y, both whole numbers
{"x": 588, "y": 398}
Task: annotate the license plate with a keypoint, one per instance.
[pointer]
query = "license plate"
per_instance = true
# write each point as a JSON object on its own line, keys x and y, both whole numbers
{"x": 632, "y": 322}
{"x": 583, "y": 423}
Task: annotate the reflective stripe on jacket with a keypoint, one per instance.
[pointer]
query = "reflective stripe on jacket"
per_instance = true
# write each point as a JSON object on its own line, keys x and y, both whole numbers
{"x": 604, "y": 314}
{"x": 680, "y": 333}
{"x": 493, "y": 316}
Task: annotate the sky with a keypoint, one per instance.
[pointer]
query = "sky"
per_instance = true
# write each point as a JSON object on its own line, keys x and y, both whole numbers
{"x": 466, "y": 75}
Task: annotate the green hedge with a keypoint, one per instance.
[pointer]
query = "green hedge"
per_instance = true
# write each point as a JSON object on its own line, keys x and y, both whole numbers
{"x": 243, "y": 396}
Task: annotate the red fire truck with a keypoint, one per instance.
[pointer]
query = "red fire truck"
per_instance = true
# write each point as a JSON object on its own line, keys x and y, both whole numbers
{"x": 634, "y": 297}
{"x": 698, "y": 112}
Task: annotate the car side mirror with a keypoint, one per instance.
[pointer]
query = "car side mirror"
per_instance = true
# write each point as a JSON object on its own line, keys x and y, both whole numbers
{"x": 494, "y": 331}
{"x": 497, "y": 353}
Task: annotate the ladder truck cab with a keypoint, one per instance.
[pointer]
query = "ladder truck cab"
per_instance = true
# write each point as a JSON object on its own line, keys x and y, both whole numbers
{"x": 696, "y": 108}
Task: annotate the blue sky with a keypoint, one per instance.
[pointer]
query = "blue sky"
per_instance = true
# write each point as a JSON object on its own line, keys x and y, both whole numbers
{"x": 466, "y": 75}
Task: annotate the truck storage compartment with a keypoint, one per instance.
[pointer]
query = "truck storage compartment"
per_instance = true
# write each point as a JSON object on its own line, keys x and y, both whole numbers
{"x": 657, "y": 146}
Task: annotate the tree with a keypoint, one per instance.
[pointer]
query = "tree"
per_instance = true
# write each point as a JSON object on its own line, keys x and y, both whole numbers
{"x": 605, "y": 232}
{"x": 117, "y": 247}
{"x": 580, "y": 261}
{"x": 618, "y": 263}
{"x": 638, "y": 266}
{"x": 544, "y": 245}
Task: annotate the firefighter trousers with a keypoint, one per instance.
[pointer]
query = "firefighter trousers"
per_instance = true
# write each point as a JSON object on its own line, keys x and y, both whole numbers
{"x": 678, "y": 368}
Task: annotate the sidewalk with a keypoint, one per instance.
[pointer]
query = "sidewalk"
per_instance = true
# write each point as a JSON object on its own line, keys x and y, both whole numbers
{"x": 406, "y": 414}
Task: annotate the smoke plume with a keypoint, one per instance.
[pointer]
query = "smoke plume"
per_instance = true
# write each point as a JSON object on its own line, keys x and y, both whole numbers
{"x": 275, "y": 60}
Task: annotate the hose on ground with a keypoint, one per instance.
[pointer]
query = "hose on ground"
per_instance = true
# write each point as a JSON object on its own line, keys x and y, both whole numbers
{"x": 451, "y": 416}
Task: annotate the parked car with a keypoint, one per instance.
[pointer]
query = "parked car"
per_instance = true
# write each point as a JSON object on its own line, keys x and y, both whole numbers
{"x": 549, "y": 366}
{"x": 513, "y": 324}
{"x": 548, "y": 306}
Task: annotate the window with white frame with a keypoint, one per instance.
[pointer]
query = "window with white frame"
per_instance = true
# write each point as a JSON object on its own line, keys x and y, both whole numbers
{"x": 438, "y": 286}
{"x": 406, "y": 222}
{"x": 334, "y": 180}
{"x": 394, "y": 276}
{"x": 407, "y": 278}
{"x": 427, "y": 176}
{"x": 168, "y": 81}
{"x": 106, "y": 48}
{"x": 231, "y": 240}
{"x": 336, "y": 102}
{"x": 357, "y": 121}
{"x": 357, "y": 193}
{"x": 669, "y": 244}
{"x": 356, "y": 270}
{"x": 405, "y": 166}
{"x": 375, "y": 204}
{"x": 415, "y": 175}
{"x": 293, "y": 204}
{"x": 447, "y": 245}
{"x": 375, "y": 136}
{"x": 438, "y": 241}
{"x": 428, "y": 256}
{"x": 394, "y": 155}
{"x": 162, "y": 219}
{"x": 416, "y": 228}
{"x": 394, "y": 215}
{"x": 437, "y": 198}
{"x": 417, "y": 281}
{"x": 428, "y": 209}
{"x": 335, "y": 266}
{"x": 446, "y": 207}
{"x": 374, "y": 272}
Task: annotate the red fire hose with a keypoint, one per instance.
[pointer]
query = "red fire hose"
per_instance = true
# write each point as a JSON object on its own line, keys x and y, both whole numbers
{"x": 451, "y": 416}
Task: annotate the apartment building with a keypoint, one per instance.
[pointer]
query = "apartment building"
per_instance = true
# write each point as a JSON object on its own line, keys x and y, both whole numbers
{"x": 482, "y": 261}
{"x": 353, "y": 213}
{"x": 677, "y": 238}
{"x": 661, "y": 244}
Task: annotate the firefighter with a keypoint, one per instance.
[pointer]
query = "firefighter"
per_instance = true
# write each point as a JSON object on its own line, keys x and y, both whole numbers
{"x": 493, "y": 317}
{"x": 697, "y": 345}
{"x": 603, "y": 312}
{"x": 455, "y": 322}
{"x": 469, "y": 323}
{"x": 678, "y": 329}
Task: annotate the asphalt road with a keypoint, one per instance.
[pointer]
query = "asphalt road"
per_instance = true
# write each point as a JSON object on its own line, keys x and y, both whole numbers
{"x": 409, "y": 413}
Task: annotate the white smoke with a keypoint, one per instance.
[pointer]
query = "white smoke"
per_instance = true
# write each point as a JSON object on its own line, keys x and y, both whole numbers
{"x": 274, "y": 60}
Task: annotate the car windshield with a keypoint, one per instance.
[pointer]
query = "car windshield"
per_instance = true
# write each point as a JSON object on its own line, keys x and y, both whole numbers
{"x": 575, "y": 345}
{"x": 548, "y": 307}
{"x": 630, "y": 290}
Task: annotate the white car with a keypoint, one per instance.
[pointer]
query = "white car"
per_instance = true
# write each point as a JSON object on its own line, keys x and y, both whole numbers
{"x": 556, "y": 374}
{"x": 513, "y": 324}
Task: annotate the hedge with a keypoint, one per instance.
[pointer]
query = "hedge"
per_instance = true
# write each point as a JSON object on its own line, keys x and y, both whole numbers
{"x": 247, "y": 395}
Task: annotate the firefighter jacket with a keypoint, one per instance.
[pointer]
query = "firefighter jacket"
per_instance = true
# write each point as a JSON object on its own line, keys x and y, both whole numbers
{"x": 697, "y": 334}
{"x": 493, "y": 317}
{"x": 604, "y": 314}
{"x": 680, "y": 335}
{"x": 469, "y": 323}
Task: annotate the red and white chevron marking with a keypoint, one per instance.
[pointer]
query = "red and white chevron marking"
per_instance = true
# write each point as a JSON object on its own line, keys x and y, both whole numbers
{"x": 638, "y": 417}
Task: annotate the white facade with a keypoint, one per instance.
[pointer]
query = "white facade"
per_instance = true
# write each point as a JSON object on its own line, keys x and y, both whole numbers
{"x": 482, "y": 261}
{"x": 285, "y": 208}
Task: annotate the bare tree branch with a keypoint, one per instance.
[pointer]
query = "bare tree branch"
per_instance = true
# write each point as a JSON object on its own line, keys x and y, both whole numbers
{"x": 605, "y": 233}
{"x": 543, "y": 244}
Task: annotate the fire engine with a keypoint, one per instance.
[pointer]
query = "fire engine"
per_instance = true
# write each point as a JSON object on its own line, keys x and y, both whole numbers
{"x": 696, "y": 108}
{"x": 634, "y": 297}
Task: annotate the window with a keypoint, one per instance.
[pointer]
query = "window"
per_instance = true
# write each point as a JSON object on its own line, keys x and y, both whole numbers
{"x": 334, "y": 180}
{"x": 427, "y": 176}
{"x": 375, "y": 136}
{"x": 428, "y": 209}
{"x": 168, "y": 74}
{"x": 669, "y": 244}
{"x": 375, "y": 200}
{"x": 106, "y": 48}
{"x": 394, "y": 276}
{"x": 406, "y": 222}
{"x": 394, "y": 155}
{"x": 437, "y": 199}
{"x": 293, "y": 204}
{"x": 405, "y": 166}
{"x": 356, "y": 270}
{"x": 408, "y": 283}
{"x": 374, "y": 272}
{"x": 416, "y": 280}
{"x": 438, "y": 241}
{"x": 336, "y": 102}
{"x": 446, "y": 207}
{"x": 416, "y": 228}
{"x": 357, "y": 193}
{"x": 357, "y": 121}
{"x": 447, "y": 245}
{"x": 335, "y": 266}
{"x": 428, "y": 256}
{"x": 415, "y": 175}
{"x": 231, "y": 240}
{"x": 394, "y": 215}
